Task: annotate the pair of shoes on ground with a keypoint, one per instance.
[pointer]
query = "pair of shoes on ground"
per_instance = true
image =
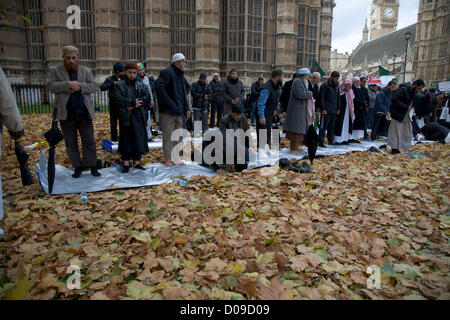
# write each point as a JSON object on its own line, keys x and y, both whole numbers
{"x": 126, "y": 169}
{"x": 77, "y": 173}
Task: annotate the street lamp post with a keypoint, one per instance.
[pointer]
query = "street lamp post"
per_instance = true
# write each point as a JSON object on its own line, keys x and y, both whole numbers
{"x": 407, "y": 37}
{"x": 394, "y": 57}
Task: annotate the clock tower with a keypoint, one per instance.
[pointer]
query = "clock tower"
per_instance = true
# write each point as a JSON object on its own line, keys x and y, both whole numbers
{"x": 383, "y": 17}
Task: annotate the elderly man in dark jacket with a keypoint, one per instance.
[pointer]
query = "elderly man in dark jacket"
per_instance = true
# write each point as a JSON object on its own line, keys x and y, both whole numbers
{"x": 216, "y": 100}
{"x": 381, "y": 108}
{"x": 233, "y": 91}
{"x": 329, "y": 102}
{"x": 132, "y": 96}
{"x": 201, "y": 91}
{"x": 171, "y": 91}
{"x": 400, "y": 131}
{"x": 109, "y": 83}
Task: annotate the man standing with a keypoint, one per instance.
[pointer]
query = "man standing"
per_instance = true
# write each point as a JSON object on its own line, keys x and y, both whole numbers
{"x": 373, "y": 92}
{"x": 424, "y": 106}
{"x": 10, "y": 117}
{"x": 172, "y": 91}
{"x": 267, "y": 105}
{"x": 142, "y": 77}
{"x": 329, "y": 102}
{"x": 254, "y": 96}
{"x": 154, "y": 110}
{"x": 132, "y": 95}
{"x": 286, "y": 93}
{"x": 73, "y": 85}
{"x": 365, "y": 94}
{"x": 234, "y": 92}
{"x": 360, "y": 102}
{"x": 216, "y": 100}
{"x": 201, "y": 91}
{"x": 314, "y": 88}
{"x": 400, "y": 131}
{"x": 109, "y": 83}
{"x": 381, "y": 109}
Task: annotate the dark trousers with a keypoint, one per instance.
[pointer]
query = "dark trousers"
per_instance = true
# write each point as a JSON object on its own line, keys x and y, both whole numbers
{"x": 380, "y": 127}
{"x": 216, "y": 107}
{"x": 370, "y": 118}
{"x": 201, "y": 115}
{"x": 135, "y": 156}
{"x": 328, "y": 124}
{"x": 70, "y": 129}
{"x": 114, "y": 121}
{"x": 267, "y": 126}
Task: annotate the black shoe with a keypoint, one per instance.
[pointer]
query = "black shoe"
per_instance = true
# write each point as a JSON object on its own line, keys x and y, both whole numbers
{"x": 322, "y": 145}
{"x": 395, "y": 151}
{"x": 346, "y": 143}
{"x": 140, "y": 167}
{"x": 335, "y": 144}
{"x": 94, "y": 172}
{"x": 77, "y": 173}
{"x": 125, "y": 169}
{"x": 354, "y": 141}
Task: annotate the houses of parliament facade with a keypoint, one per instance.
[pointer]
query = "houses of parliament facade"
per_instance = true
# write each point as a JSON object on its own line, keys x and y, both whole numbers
{"x": 251, "y": 36}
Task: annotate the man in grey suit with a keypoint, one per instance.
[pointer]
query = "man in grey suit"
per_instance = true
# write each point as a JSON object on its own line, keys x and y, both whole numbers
{"x": 73, "y": 85}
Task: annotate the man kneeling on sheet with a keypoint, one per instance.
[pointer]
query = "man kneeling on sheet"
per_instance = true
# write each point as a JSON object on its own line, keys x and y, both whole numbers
{"x": 132, "y": 95}
{"x": 238, "y": 162}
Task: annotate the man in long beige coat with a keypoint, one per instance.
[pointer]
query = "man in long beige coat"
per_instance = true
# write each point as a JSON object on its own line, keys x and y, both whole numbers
{"x": 10, "y": 117}
{"x": 73, "y": 85}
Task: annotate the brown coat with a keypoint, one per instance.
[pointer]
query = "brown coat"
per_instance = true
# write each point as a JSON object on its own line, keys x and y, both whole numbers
{"x": 58, "y": 82}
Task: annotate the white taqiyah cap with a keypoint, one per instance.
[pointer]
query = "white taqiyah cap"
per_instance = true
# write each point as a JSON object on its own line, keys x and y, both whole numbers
{"x": 356, "y": 79}
{"x": 303, "y": 71}
{"x": 177, "y": 57}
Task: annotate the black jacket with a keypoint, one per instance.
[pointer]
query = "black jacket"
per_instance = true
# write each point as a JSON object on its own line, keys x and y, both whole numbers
{"x": 423, "y": 106}
{"x": 255, "y": 92}
{"x": 109, "y": 85}
{"x": 216, "y": 91}
{"x": 171, "y": 91}
{"x": 315, "y": 92}
{"x": 365, "y": 97}
{"x": 435, "y": 132}
{"x": 198, "y": 92}
{"x": 329, "y": 97}
{"x": 401, "y": 101}
{"x": 285, "y": 95}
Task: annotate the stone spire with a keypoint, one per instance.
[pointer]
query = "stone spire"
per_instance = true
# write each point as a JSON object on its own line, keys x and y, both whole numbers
{"x": 365, "y": 33}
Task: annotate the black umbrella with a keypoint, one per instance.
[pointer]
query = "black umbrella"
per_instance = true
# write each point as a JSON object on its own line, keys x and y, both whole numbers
{"x": 22, "y": 158}
{"x": 53, "y": 137}
{"x": 312, "y": 142}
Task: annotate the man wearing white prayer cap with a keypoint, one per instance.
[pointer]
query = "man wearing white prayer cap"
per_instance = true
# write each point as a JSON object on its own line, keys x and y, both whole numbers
{"x": 303, "y": 71}
{"x": 359, "y": 124}
{"x": 171, "y": 90}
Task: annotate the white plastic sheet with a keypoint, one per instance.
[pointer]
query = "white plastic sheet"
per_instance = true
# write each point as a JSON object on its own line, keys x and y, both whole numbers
{"x": 157, "y": 174}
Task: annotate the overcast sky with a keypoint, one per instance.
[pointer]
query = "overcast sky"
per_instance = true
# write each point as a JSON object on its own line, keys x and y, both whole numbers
{"x": 350, "y": 16}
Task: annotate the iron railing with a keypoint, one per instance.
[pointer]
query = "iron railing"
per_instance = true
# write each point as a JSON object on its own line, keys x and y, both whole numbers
{"x": 36, "y": 98}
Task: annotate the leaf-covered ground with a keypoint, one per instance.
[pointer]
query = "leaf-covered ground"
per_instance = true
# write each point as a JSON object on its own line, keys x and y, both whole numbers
{"x": 239, "y": 236}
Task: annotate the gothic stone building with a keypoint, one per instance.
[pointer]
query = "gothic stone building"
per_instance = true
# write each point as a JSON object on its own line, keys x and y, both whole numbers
{"x": 252, "y": 36}
{"x": 431, "y": 54}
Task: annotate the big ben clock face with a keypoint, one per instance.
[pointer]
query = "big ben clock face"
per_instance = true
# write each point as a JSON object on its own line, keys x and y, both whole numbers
{"x": 389, "y": 13}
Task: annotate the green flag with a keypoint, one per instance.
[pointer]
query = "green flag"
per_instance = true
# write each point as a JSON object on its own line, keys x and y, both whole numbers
{"x": 383, "y": 72}
{"x": 316, "y": 68}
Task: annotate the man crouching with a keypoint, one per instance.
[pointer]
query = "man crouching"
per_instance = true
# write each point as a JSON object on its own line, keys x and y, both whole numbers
{"x": 131, "y": 95}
